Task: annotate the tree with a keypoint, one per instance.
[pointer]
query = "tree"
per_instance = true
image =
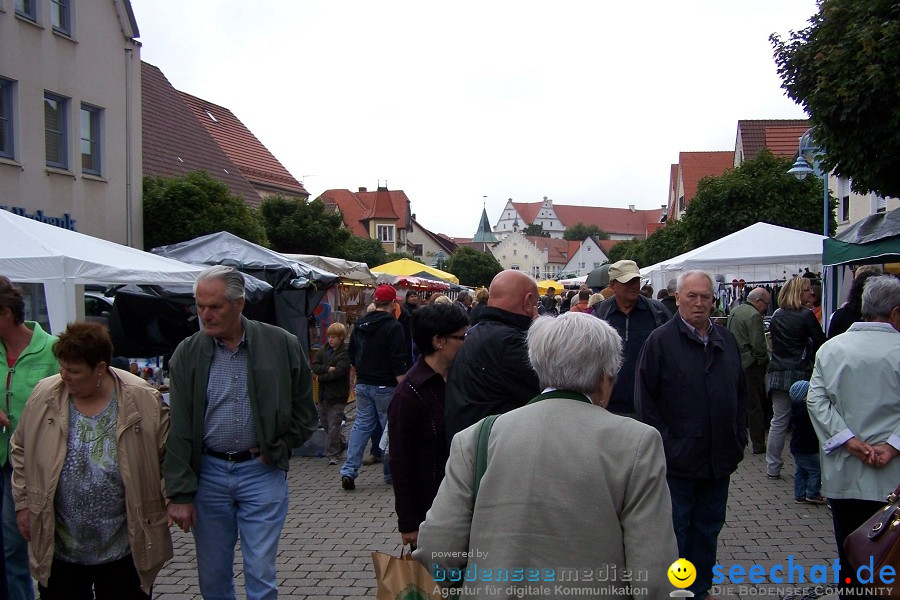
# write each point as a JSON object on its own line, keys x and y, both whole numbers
{"x": 473, "y": 268}
{"x": 182, "y": 208}
{"x": 760, "y": 189}
{"x": 580, "y": 231}
{"x": 628, "y": 250}
{"x": 664, "y": 243}
{"x": 365, "y": 250}
{"x": 296, "y": 226}
{"x": 843, "y": 69}
{"x": 392, "y": 256}
{"x": 535, "y": 229}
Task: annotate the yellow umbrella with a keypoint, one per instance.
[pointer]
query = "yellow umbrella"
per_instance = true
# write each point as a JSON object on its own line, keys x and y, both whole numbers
{"x": 404, "y": 266}
{"x": 544, "y": 286}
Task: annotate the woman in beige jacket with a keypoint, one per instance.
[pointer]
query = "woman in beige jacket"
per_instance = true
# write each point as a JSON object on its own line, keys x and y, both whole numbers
{"x": 87, "y": 482}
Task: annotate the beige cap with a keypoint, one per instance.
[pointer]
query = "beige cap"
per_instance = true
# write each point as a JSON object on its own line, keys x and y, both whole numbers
{"x": 624, "y": 271}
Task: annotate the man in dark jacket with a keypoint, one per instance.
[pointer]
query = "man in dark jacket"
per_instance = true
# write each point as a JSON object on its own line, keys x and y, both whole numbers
{"x": 691, "y": 387}
{"x": 634, "y": 317}
{"x": 380, "y": 354}
{"x": 491, "y": 374}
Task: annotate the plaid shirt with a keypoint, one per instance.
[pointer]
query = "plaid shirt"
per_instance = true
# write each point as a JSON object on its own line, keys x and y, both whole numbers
{"x": 228, "y": 425}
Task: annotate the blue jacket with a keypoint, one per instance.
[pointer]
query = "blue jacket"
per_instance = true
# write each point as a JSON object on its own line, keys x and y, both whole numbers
{"x": 696, "y": 396}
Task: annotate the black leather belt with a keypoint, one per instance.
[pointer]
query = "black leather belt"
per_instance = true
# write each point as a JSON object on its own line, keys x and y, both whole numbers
{"x": 235, "y": 457}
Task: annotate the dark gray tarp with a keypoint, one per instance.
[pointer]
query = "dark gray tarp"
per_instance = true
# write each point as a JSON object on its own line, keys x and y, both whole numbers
{"x": 874, "y": 239}
{"x": 151, "y": 320}
{"x": 298, "y": 287}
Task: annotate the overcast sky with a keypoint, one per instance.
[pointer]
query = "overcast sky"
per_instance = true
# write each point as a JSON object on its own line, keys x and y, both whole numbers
{"x": 583, "y": 101}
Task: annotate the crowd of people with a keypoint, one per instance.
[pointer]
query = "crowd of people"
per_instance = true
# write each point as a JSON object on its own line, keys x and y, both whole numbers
{"x": 482, "y": 401}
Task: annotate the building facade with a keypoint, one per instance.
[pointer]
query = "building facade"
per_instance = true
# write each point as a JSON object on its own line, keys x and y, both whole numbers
{"x": 70, "y": 116}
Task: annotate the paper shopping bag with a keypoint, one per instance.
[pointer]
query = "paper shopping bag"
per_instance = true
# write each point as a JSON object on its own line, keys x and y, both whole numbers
{"x": 402, "y": 578}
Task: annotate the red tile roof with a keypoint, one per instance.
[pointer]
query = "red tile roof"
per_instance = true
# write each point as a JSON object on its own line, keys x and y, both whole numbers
{"x": 174, "y": 141}
{"x": 557, "y": 249}
{"x": 356, "y": 207}
{"x": 697, "y": 165}
{"x": 257, "y": 164}
{"x": 382, "y": 207}
{"x": 783, "y": 141}
{"x": 622, "y": 221}
{"x": 753, "y": 133}
{"x": 607, "y": 245}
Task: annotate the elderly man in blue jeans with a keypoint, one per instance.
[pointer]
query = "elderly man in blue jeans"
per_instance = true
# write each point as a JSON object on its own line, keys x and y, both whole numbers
{"x": 379, "y": 352}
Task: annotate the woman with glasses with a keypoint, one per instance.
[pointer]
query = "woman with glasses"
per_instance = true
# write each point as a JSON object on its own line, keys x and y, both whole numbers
{"x": 416, "y": 416}
{"x": 796, "y": 336}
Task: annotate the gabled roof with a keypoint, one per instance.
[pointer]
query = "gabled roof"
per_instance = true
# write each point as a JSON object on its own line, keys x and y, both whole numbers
{"x": 623, "y": 221}
{"x": 612, "y": 220}
{"x": 256, "y": 163}
{"x": 448, "y": 245}
{"x": 784, "y": 141}
{"x": 557, "y": 249}
{"x": 528, "y": 211}
{"x": 356, "y": 207}
{"x": 174, "y": 141}
{"x": 697, "y": 165}
{"x": 752, "y": 133}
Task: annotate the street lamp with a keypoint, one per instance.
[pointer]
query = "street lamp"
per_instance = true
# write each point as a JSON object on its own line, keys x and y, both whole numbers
{"x": 809, "y": 156}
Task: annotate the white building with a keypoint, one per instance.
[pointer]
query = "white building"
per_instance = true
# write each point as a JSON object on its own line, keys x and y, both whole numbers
{"x": 70, "y": 115}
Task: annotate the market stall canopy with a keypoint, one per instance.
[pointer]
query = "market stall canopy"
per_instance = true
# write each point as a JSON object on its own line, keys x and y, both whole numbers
{"x": 874, "y": 239}
{"x": 404, "y": 266}
{"x": 346, "y": 269}
{"x": 410, "y": 281}
{"x": 760, "y": 252}
{"x": 225, "y": 248}
{"x": 34, "y": 252}
{"x": 151, "y": 320}
{"x": 544, "y": 286}
{"x": 298, "y": 287}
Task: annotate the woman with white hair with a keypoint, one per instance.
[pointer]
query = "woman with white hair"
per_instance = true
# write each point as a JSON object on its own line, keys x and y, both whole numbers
{"x": 568, "y": 487}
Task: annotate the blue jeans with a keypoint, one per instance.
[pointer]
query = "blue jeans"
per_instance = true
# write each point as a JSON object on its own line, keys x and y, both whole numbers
{"x": 250, "y": 498}
{"x": 698, "y": 514}
{"x": 371, "y": 407}
{"x": 807, "y": 476}
{"x": 15, "y": 548}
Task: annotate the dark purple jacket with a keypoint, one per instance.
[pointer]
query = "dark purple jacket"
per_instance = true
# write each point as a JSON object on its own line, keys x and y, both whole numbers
{"x": 418, "y": 446}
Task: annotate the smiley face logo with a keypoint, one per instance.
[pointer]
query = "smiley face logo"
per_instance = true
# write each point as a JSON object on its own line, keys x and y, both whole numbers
{"x": 682, "y": 573}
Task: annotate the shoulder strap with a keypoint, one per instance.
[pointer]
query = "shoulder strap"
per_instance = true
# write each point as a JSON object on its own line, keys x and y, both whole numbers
{"x": 484, "y": 434}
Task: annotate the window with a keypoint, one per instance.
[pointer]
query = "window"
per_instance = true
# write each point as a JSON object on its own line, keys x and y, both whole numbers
{"x": 418, "y": 250}
{"x": 515, "y": 267}
{"x": 844, "y": 198}
{"x": 90, "y": 139}
{"x": 6, "y": 119}
{"x": 588, "y": 248}
{"x": 681, "y": 203}
{"x": 55, "y": 141}
{"x": 596, "y": 265}
{"x": 60, "y": 16}
{"x": 27, "y": 9}
{"x": 385, "y": 233}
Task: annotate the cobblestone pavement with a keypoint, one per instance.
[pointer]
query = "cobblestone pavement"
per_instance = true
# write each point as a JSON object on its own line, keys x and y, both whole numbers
{"x": 326, "y": 545}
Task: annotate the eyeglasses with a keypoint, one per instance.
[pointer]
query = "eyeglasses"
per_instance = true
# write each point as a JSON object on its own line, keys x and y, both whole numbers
{"x": 461, "y": 338}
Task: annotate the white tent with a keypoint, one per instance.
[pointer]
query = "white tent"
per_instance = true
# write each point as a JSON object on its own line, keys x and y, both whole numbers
{"x": 34, "y": 252}
{"x": 759, "y": 253}
{"x": 347, "y": 269}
